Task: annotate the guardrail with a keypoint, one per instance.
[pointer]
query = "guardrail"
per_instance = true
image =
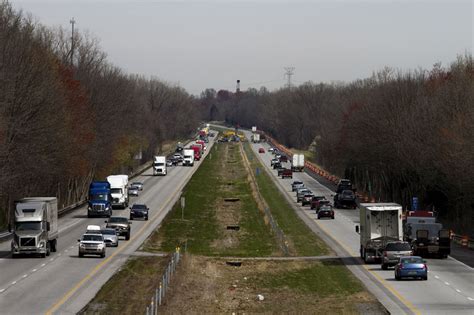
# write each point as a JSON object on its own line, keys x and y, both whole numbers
{"x": 160, "y": 292}
{"x": 462, "y": 240}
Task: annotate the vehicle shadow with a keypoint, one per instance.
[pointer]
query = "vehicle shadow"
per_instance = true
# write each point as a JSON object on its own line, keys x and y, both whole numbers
{"x": 340, "y": 261}
{"x": 88, "y": 256}
{"x": 5, "y": 254}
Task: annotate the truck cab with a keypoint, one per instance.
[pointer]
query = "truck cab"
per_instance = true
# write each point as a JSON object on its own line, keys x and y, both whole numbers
{"x": 197, "y": 151}
{"x": 100, "y": 199}
{"x": 35, "y": 228}
{"x": 188, "y": 159}
{"x": 119, "y": 190}
{"x": 159, "y": 165}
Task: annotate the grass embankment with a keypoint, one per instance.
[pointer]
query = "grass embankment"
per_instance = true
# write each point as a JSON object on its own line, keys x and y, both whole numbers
{"x": 205, "y": 284}
{"x": 303, "y": 242}
{"x": 207, "y": 213}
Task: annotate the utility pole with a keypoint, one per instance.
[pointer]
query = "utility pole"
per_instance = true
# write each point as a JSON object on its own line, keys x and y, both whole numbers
{"x": 72, "y": 21}
{"x": 289, "y": 71}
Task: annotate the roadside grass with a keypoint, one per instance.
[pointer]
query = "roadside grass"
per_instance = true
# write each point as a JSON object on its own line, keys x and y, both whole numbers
{"x": 304, "y": 241}
{"x": 219, "y": 177}
{"x": 129, "y": 290}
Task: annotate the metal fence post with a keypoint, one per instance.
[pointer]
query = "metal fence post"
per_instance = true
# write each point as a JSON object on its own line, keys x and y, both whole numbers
{"x": 147, "y": 310}
{"x": 159, "y": 297}
{"x": 156, "y": 301}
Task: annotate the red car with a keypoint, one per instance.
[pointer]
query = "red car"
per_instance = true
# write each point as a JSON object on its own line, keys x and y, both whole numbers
{"x": 261, "y": 150}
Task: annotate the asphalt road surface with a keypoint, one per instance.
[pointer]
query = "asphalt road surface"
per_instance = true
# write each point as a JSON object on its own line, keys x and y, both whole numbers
{"x": 63, "y": 283}
{"x": 449, "y": 289}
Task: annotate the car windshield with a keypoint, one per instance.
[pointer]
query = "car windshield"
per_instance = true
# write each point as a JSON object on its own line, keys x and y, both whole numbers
{"x": 137, "y": 184}
{"x": 348, "y": 192}
{"x": 116, "y": 190}
{"x": 326, "y": 208}
{"x": 92, "y": 237}
{"x": 28, "y": 226}
{"x": 139, "y": 207}
{"x": 108, "y": 232}
{"x": 411, "y": 260}
{"x": 133, "y": 188}
{"x": 118, "y": 220}
{"x": 397, "y": 247}
{"x": 318, "y": 198}
{"x": 297, "y": 183}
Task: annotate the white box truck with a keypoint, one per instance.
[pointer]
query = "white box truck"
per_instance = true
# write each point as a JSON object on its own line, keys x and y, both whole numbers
{"x": 297, "y": 163}
{"x": 255, "y": 138}
{"x": 188, "y": 157}
{"x": 35, "y": 229}
{"x": 159, "y": 165}
{"x": 379, "y": 223}
{"x": 254, "y": 128}
{"x": 119, "y": 190}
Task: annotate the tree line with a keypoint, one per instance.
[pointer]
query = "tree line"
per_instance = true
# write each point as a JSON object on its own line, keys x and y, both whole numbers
{"x": 66, "y": 119}
{"x": 396, "y": 135}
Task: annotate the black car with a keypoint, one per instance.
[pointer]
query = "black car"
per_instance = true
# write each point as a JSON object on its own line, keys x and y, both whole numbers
{"x": 139, "y": 211}
{"x": 345, "y": 199}
{"x": 280, "y": 170}
{"x": 121, "y": 225}
{"x": 325, "y": 211}
{"x": 276, "y": 165}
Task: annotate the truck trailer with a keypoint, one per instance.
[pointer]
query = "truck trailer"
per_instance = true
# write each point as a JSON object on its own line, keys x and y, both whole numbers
{"x": 297, "y": 164}
{"x": 35, "y": 229}
{"x": 380, "y": 223}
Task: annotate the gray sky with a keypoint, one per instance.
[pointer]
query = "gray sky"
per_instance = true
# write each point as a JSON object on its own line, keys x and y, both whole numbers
{"x": 211, "y": 44}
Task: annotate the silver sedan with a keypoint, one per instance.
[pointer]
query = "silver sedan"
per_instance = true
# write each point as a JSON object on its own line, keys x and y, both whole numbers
{"x": 110, "y": 237}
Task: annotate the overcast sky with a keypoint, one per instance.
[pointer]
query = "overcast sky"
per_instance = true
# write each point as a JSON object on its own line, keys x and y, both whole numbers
{"x": 211, "y": 44}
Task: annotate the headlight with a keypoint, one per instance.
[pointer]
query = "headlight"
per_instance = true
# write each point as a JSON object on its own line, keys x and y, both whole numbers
{"x": 89, "y": 208}
{"x": 101, "y": 245}
{"x": 41, "y": 244}
{"x": 82, "y": 245}
{"x": 107, "y": 208}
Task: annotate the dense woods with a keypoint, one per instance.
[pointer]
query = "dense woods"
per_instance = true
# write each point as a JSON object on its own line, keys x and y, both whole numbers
{"x": 397, "y": 134}
{"x": 63, "y": 124}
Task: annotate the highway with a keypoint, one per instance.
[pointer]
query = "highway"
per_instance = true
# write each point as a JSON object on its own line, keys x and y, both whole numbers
{"x": 449, "y": 289}
{"x": 63, "y": 283}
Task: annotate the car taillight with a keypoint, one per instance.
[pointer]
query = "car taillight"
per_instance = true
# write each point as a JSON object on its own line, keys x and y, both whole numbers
{"x": 401, "y": 266}
{"x": 424, "y": 266}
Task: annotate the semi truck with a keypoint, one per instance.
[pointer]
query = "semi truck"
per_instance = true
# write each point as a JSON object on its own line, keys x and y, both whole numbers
{"x": 255, "y": 138}
{"x": 297, "y": 164}
{"x": 380, "y": 223}
{"x": 119, "y": 190}
{"x": 35, "y": 229}
{"x": 159, "y": 165}
{"x": 99, "y": 201}
{"x": 188, "y": 159}
{"x": 426, "y": 236}
{"x": 197, "y": 151}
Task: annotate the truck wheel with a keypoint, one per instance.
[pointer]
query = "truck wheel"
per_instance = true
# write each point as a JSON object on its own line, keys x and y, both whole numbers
{"x": 53, "y": 246}
{"x": 81, "y": 255}
{"x": 48, "y": 249}
{"x": 43, "y": 255}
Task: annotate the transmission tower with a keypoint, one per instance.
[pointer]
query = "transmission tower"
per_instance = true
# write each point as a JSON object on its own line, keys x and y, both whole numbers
{"x": 72, "y": 21}
{"x": 289, "y": 71}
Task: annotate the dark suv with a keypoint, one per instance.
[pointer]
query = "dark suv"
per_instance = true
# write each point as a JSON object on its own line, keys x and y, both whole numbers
{"x": 139, "y": 211}
{"x": 345, "y": 199}
{"x": 121, "y": 225}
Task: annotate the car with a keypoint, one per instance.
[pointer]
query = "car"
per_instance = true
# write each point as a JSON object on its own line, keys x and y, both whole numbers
{"x": 296, "y": 184}
{"x": 133, "y": 191}
{"x": 322, "y": 203}
{"x": 110, "y": 237}
{"x": 307, "y": 199}
{"x": 287, "y": 173}
{"x": 345, "y": 199}
{"x": 393, "y": 251}
{"x": 315, "y": 201}
{"x": 91, "y": 244}
{"x": 273, "y": 161}
{"x": 283, "y": 159}
{"x": 343, "y": 184}
{"x": 411, "y": 267}
{"x": 169, "y": 163}
{"x": 325, "y": 211}
{"x": 261, "y": 150}
{"x": 178, "y": 157}
{"x": 278, "y": 156}
{"x": 121, "y": 225}
{"x": 301, "y": 193}
{"x": 139, "y": 185}
{"x": 276, "y": 165}
{"x": 270, "y": 149}
{"x": 139, "y": 211}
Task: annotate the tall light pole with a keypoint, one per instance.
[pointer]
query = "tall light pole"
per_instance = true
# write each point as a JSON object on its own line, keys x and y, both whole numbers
{"x": 289, "y": 71}
{"x": 72, "y": 21}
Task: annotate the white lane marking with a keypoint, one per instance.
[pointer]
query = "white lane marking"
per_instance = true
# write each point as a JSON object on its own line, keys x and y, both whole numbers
{"x": 469, "y": 298}
{"x": 59, "y": 254}
{"x": 51, "y": 259}
{"x": 34, "y": 270}
{"x": 14, "y": 282}
{"x": 73, "y": 246}
{"x": 436, "y": 277}
{"x": 65, "y": 250}
{"x": 24, "y": 276}
{"x": 42, "y": 265}
{"x": 2, "y": 290}
{"x": 447, "y": 283}
{"x": 458, "y": 291}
